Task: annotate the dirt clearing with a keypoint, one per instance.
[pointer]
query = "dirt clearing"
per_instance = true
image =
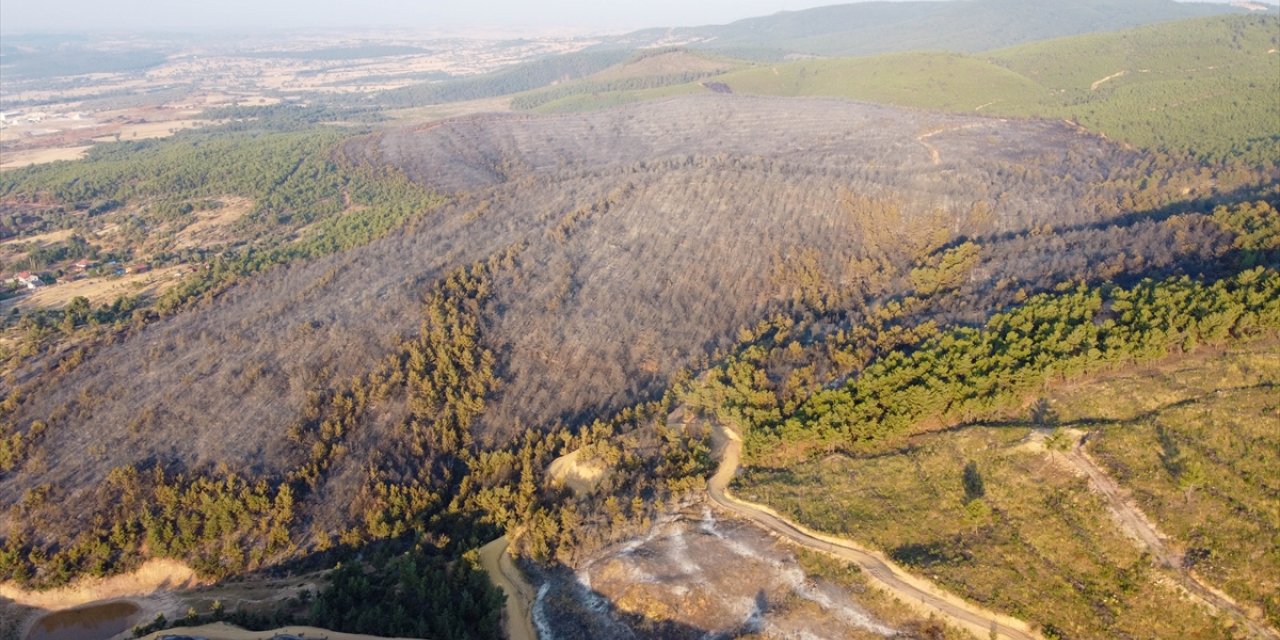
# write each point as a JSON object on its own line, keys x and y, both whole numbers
{"x": 571, "y": 471}
{"x": 208, "y": 225}
{"x": 19, "y": 159}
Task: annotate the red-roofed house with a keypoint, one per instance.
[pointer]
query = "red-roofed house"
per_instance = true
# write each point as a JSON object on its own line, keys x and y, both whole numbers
{"x": 27, "y": 279}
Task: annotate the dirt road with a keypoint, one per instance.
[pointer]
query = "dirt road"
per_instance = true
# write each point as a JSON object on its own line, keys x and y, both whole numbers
{"x": 518, "y": 620}
{"x": 912, "y": 590}
{"x": 1143, "y": 531}
{"x": 935, "y": 156}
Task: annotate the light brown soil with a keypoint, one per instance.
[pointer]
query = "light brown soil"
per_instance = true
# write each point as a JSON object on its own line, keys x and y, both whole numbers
{"x": 208, "y": 225}
{"x": 223, "y": 631}
{"x": 569, "y": 470}
{"x": 517, "y": 619}
{"x": 100, "y": 290}
{"x": 153, "y": 576}
{"x": 149, "y": 130}
{"x": 25, "y": 158}
{"x": 1102, "y": 81}
{"x": 43, "y": 239}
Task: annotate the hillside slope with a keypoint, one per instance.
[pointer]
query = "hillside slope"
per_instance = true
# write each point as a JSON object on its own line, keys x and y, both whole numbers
{"x": 632, "y": 251}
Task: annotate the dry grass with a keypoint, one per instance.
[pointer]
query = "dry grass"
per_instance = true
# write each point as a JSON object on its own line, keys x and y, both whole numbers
{"x": 433, "y": 113}
{"x": 662, "y": 64}
{"x": 100, "y": 290}
{"x": 150, "y": 130}
{"x": 27, "y": 157}
{"x": 1038, "y": 543}
{"x": 1197, "y": 443}
{"x": 156, "y": 575}
{"x": 209, "y": 226}
{"x": 43, "y": 239}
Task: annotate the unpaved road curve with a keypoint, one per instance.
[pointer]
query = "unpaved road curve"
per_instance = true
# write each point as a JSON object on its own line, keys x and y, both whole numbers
{"x": 1140, "y": 528}
{"x": 935, "y": 156}
{"x": 910, "y": 589}
{"x": 520, "y": 594}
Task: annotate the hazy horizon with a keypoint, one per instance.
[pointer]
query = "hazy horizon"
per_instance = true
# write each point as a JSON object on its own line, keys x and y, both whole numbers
{"x": 18, "y": 16}
{"x": 33, "y": 16}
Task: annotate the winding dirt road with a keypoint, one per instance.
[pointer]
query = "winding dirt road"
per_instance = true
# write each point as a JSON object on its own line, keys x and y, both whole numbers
{"x": 1144, "y": 532}
{"x": 935, "y": 156}
{"x": 912, "y": 590}
{"x": 518, "y": 620}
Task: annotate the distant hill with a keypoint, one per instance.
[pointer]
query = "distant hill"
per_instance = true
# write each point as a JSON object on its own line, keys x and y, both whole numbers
{"x": 1204, "y": 86}
{"x": 962, "y": 25}
{"x": 653, "y": 73}
{"x": 522, "y": 77}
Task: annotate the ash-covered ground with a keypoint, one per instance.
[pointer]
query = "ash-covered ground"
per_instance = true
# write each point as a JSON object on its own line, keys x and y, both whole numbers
{"x": 697, "y": 576}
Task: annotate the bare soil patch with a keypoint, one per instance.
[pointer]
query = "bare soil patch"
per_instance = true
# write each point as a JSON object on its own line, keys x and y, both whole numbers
{"x": 209, "y": 224}
{"x": 224, "y": 631}
{"x": 28, "y": 157}
{"x": 153, "y": 576}
{"x": 150, "y": 130}
{"x": 570, "y": 470}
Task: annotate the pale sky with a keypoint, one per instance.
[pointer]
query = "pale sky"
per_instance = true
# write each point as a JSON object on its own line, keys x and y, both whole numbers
{"x": 79, "y": 15}
{"x": 141, "y": 15}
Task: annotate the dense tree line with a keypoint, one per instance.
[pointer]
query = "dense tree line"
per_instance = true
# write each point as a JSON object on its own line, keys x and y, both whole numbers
{"x": 965, "y": 372}
{"x": 411, "y": 595}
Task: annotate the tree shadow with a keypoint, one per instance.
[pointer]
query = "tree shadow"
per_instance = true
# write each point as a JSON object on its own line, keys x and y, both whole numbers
{"x": 1204, "y": 204}
{"x": 1090, "y": 422}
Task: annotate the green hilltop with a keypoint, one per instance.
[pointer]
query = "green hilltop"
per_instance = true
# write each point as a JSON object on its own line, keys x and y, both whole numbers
{"x": 1204, "y": 87}
{"x": 868, "y": 28}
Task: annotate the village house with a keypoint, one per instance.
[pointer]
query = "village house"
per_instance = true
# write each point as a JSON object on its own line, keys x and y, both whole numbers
{"x": 26, "y": 280}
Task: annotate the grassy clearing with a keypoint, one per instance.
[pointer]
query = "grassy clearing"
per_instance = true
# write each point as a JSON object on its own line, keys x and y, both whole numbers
{"x": 946, "y": 81}
{"x": 1010, "y": 528}
{"x": 19, "y": 159}
{"x": 1199, "y": 446}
